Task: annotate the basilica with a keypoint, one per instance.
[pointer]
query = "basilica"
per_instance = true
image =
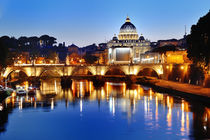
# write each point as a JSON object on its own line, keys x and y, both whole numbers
{"x": 128, "y": 46}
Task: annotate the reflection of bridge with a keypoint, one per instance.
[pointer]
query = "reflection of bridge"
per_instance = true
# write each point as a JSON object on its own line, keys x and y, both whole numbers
{"x": 79, "y": 70}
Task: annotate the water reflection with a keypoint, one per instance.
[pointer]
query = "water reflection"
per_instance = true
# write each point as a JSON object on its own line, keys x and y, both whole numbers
{"x": 141, "y": 105}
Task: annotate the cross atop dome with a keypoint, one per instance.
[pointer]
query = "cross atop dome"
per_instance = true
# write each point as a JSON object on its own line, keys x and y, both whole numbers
{"x": 127, "y": 19}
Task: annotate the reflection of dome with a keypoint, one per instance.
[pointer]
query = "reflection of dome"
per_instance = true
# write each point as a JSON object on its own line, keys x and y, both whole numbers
{"x": 128, "y": 31}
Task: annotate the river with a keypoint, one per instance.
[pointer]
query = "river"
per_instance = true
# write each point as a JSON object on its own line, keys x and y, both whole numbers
{"x": 113, "y": 111}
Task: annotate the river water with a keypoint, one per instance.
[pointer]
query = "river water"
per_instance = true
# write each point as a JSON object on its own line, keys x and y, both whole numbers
{"x": 113, "y": 111}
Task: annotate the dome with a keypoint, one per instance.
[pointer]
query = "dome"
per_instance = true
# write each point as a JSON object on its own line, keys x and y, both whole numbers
{"x": 128, "y": 31}
{"x": 128, "y": 27}
{"x": 115, "y": 38}
{"x": 141, "y": 38}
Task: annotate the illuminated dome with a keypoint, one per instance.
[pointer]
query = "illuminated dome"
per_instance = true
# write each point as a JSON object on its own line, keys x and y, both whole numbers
{"x": 128, "y": 31}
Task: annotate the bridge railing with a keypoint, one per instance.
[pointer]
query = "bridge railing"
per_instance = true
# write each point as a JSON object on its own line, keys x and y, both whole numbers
{"x": 23, "y": 65}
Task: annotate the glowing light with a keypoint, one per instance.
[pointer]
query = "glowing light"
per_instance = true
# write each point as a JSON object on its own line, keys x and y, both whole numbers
{"x": 147, "y": 59}
{"x": 55, "y": 87}
{"x": 110, "y": 50}
{"x": 80, "y": 105}
{"x": 52, "y": 104}
{"x": 159, "y": 71}
{"x": 102, "y": 72}
{"x": 182, "y": 118}
{"x": 21, "y": 103}
{"x": 112, "y": 106}
{"x": 1, "y": 107}
{"x": 156, "y": 111}
{"x": 182, "y": 67}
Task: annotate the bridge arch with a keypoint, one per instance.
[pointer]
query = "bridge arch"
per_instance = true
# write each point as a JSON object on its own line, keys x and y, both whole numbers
{"x": 80, "y": 70}
{"x": 50, "y": 73}
{"x": 17, "y": 75}
{"x": 10, "y": 71}
{"x": 114, "y": 71}
{"x": 121, "y": 70}
{"x": 148, "y": 72}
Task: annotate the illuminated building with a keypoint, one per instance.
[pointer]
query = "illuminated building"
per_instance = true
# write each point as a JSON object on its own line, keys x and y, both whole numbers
{"x": 73, "y": 58}
{"x": 128, "y": 46}
{"x": 22, "y": 58}
{"x": 151, "y": 58}
{"x": 40, "y": 60}
{"x": 176, "y": 57}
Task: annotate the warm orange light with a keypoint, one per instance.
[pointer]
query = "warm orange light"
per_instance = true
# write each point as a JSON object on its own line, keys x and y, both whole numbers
{"x": 182, "y": 67}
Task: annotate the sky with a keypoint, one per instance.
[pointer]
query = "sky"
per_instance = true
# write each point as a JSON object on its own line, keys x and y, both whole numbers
{"x": 84, "y": 22}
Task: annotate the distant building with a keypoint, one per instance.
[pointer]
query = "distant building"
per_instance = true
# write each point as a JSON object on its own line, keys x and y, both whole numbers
{"x": 169, "y": 42}
{"x": 128, "y": 46}
{"x": 102, "y": 46}
{"x": 182, "y": 43}
{"x": 73, "y": 49}
{"x": 88, "y": 49}
{"x": 151, "y": 58}
{"x": 153, "y": 44}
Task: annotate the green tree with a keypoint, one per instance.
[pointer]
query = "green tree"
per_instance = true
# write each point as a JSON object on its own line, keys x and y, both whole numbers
{"x": 198, "y": 41}
{"x": 90, "y": 59}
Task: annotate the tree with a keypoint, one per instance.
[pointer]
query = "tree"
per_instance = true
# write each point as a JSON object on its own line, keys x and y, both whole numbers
{"x": 6, "y": 44}
{"x": 47, "y": 40}
{"x": 198, "y": 41}
{"x": 3, "y": 53}
{"x": 90, "y": 59}
{"x": 52, "y": 56}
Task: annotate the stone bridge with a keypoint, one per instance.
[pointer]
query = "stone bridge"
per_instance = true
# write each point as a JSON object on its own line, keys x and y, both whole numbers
{"x": 60, "y": 70}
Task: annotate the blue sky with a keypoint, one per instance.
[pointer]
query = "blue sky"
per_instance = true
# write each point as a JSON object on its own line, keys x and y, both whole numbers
{"x": 84, "y": 22}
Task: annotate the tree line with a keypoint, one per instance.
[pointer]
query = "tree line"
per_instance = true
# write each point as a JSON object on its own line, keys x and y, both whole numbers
{"x": 44, "y": 45}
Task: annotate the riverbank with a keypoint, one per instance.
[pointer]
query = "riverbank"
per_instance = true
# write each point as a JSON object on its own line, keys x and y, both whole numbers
{"x": 176, "y": 88}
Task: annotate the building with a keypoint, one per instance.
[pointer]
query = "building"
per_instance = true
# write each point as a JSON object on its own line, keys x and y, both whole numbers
{"x": 128, "y": 46}
{"x": 173, "y": 42}
{"x": 151, "y": 58}
{"x": 176, "y": 57}
{"x": 73, "y": 49}
{"x": 168, "y": 42}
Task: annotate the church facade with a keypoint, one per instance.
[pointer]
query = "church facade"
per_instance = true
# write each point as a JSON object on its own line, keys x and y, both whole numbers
{"x": 128, "y": 46}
